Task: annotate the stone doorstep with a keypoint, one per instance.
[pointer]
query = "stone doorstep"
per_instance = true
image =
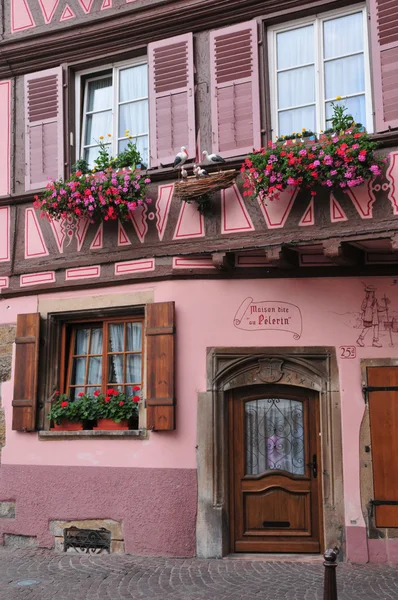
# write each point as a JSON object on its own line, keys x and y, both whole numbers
{"x": 295, "y": 558}
{"x": 115, "y": 527}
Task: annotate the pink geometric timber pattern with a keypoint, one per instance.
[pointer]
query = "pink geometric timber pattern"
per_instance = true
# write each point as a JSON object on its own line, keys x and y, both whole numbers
{"x": 52, "y": 10}
{"x": 188, "y": 223}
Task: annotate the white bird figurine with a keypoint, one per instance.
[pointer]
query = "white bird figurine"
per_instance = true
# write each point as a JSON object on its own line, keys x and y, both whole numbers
{"x": 195, "y": 170}
{"x": 201, "y": 172}
{"x": 214, "y": 159}
{"x": 184, "y": 173}
{"x": 180, "y": 158}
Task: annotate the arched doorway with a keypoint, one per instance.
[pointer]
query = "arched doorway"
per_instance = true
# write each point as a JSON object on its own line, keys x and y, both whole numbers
{"x": 237, "y": 509}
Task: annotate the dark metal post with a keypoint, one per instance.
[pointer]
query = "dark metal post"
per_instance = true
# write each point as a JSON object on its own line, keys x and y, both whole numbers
{"x": 330, "y": 585}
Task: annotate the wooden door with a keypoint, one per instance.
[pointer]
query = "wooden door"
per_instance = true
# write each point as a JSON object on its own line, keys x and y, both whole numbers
{"x": 275, "y": 470}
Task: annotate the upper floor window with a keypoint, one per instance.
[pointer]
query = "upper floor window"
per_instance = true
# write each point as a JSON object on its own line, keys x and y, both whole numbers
{"x": 115, "y": 107}
{"x": 314, "y": 61}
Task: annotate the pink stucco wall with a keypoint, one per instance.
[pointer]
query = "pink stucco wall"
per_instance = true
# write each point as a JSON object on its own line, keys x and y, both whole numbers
{"x": 205, "y": 311}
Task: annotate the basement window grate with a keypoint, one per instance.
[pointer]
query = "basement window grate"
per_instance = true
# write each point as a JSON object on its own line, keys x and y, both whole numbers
{"x": 89, "y": 541}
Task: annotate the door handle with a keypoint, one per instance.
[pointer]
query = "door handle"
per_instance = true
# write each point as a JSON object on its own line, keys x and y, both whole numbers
{"x": 314, "y": 466}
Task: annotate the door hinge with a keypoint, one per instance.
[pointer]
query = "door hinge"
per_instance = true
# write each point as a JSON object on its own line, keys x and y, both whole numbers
{"x": 368, "y": 389}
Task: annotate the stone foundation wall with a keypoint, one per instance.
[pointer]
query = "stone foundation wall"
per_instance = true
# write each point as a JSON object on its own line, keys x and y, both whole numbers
{"x": 149, "y": 512}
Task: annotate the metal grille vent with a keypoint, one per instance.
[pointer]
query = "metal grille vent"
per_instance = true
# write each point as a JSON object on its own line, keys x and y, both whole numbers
{"x": 89, "y": 541}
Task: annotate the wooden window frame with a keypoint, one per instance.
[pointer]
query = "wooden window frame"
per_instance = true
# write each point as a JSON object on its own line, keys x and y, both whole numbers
{"x": 66, "y": 361}
{"x": 52, "y": 341}
{"x": 317, "y": 20}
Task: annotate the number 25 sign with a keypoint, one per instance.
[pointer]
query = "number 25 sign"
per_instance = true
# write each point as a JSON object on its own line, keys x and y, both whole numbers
{"x": 348, "y": 352}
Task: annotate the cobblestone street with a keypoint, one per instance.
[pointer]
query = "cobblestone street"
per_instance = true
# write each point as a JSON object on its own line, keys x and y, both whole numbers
{"x": 43, "y": 575}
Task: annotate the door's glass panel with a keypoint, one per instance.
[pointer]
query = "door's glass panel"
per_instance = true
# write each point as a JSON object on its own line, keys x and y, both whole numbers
{"x": 274, "y": 436}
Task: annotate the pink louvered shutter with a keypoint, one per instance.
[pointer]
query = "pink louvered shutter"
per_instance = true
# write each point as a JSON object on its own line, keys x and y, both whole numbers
{"x": 384, "y": 33}
{"x": 171, "y": 98}
{"x": 235, "y": 98}
{"x": 44, "y": 144}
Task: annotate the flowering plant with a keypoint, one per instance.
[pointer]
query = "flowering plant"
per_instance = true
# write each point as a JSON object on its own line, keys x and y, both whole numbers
{"x": 345, "y": 158}
{"x": 104, "y": 195}
{"x": 109, "y": 192}
{"x": 81, "y": 409}
{"x": 339, "y": 162}
{"x": 118, "y": 406}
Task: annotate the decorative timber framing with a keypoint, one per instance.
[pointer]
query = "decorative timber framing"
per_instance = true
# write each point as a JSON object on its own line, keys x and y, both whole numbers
{"x": 228, "y": 368}
{"x": 135, "y": 28}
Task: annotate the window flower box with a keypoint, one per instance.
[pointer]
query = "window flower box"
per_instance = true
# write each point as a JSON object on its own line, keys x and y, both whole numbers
{"x": 339, "y": 162}
{"x": 66, "y": 425}
{"x": 110, "y": 425}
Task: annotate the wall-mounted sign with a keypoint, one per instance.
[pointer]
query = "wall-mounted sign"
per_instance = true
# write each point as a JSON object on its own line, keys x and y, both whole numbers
{"x": 269, "y": 315}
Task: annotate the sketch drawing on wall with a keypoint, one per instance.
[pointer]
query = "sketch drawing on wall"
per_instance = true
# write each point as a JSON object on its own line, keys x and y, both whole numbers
{"x": 376, "y": 315}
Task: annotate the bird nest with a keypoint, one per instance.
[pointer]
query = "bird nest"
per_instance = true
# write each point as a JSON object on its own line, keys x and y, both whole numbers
{"x": 193, "y": 189}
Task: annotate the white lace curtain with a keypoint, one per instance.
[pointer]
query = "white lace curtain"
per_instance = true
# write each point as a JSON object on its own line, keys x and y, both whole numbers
{"x": 274, "y": 437}
{"x": 341, "y": 57}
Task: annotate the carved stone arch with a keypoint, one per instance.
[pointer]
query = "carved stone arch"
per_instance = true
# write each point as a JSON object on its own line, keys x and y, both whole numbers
{"x": 229, "y": 368}
{"x": 260, "y": 369}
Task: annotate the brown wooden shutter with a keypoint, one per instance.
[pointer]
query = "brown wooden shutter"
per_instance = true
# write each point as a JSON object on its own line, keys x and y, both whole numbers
{"x": 384, "y": 33}
{"x": 25, "y": 373}
{"x": 160, "y": 352}
{"x": 44, "y": 141}
{"x": 383, "y": 411}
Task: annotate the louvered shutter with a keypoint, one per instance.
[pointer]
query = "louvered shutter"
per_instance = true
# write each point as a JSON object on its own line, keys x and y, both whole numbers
{"x": 235, "y": 97}
{"x": 160, "y": 352}
{"x": 384, "y": 34}
{"x": 171, "y": 98}
{"x": 44, "y": 144}
{"x": 25, "y": 373}
{"x": 383, "y": 412}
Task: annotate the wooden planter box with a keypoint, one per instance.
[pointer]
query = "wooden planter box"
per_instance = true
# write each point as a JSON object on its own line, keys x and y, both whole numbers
{"x": 66, "y": 425}
{"x": 109, "y": 425}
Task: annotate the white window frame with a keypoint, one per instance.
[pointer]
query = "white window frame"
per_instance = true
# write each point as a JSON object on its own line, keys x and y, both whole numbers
{"x": 114, "y": 70}
{"x": 320, "y": 108}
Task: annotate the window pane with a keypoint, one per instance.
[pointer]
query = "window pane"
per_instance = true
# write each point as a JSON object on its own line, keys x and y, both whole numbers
{"x": 133, "y": 83}
{"x": 142, "y": 143}
{"x": 96, "y": 341}
{"x": 295, "y": 47}
{"x": 78, "y": 371}
{"x": 295, "y": 120}
{"x": 130, "y": 391}
{"x": 296, "y": 87}
{"x": 116, "y": 338}
{"x": 134, "y": 117}
{"x": 115, "y": 373}
{"x": 343, "y": 35}
{"x": 96, "y": 125}
{"x": 90, "y": 154}
{"x": 344, "y": 76}
{"x": 133, "y": 368}
{"x": 99, "y": 94}
{"x": 356, "y": 108}
{"x": 95, "y": 370}
{"x": 274, "y": 436}
{"x": 74, "y": 392}
{"x": 134, "y": 337}
{"x": 81, "y": 344}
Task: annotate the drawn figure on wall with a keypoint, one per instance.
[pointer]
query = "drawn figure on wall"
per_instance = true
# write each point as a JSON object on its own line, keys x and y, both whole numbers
{"x": 370, "y": 317}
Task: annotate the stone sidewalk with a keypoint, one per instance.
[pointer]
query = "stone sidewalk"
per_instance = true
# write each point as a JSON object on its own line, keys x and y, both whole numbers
{"x": 44, "y": 575}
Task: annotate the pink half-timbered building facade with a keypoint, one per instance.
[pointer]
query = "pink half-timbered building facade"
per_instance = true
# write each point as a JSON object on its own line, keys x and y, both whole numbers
{"x": 264, "y": 335}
